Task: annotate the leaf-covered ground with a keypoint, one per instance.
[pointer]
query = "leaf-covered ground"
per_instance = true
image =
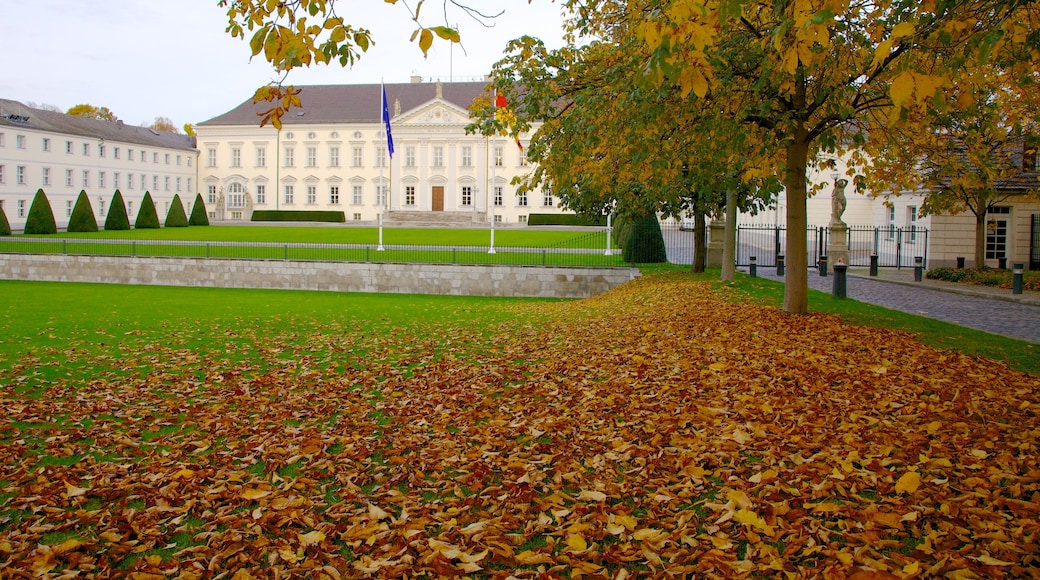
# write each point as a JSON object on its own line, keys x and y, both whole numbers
{"x": 660, "y": 430}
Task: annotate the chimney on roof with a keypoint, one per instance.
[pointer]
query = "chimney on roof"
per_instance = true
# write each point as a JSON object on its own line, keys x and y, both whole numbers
{"x": 416, "y": 79}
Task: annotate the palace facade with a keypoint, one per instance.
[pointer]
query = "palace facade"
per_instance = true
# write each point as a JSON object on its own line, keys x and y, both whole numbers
{"x": 331, "y": 154}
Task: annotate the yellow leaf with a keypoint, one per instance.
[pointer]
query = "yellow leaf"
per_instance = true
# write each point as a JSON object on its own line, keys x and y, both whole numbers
{"x": 587, "y": 495}
{"x": 933, "y": 427}
{"x": 184, "y": 473}
{"x": 425, "y": 41}
{"x": 376, "y": 513}
{"x": 990, "y": 561}
{"x": 911, "y": 568}
{"x": 73, "y": 491}
{"x": 645, "y": 533}
{"x": 902, "y": 29}
{"x": 739, "y": 498}
{"x": 909, "y": 482}
{"x": 311, "y": 538}
{"x": 719, "y": 366}
{"x": 255, "y": 493}
{"x": 750, "y": 518}
{"x": 901, "y": 89}
{"x": 577, "y": 543}
{"x": 528, "y": 558}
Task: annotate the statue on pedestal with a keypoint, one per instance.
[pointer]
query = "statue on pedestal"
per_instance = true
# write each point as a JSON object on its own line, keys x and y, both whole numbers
{"x": 838, "y": 202}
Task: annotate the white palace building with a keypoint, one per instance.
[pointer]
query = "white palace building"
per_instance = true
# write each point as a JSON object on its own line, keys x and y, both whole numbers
{"x": 331, "y": 154}
{"x": 64, "y": 154}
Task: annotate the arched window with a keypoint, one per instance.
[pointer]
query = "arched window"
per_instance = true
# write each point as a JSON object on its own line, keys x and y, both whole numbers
{"x": 236, "y": 197}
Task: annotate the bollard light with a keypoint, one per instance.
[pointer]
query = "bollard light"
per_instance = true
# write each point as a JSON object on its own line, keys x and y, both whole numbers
{"x": 753, "y": 266}
{"x": 873, "y": 265}
{"x": 1016, "y": 284}
{"x": 838, "y": 288}
{"x": 780, "y": 265}
{"x": 823, "y": 266}
{"x": 918, "y": 268}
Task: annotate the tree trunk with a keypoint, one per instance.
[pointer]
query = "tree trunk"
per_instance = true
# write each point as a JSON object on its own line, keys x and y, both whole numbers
{"x": 980, "y": 240}
{"x": 729, "y": 240}
{"x": 700, "y": 244}
{"x": 796, "y": 287}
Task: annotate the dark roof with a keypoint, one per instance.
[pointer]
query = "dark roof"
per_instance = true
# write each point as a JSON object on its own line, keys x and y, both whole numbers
{"x": 15, "y": 114}
{"x": 352, "y": 103}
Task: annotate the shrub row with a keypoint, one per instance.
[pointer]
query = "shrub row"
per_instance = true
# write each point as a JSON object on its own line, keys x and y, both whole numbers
{"x": 273, "y": 215}
{"x": 566, "y": 219}
{"x": 41, "y": 218}
{"x": 984, "y": 277}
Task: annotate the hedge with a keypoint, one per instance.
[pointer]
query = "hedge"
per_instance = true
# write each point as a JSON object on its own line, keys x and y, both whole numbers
{"x": 82, "y": 218}
{"x": 565, "y": 219}
{"x": 147, "y": 219}
{"x": 117, "y": 218}
{"x": 5, "y": 226}
{"x": 270, "y": 215}
{"x": 645, "y": 244}
{"x": 41, "y": 218}
{"x": 176, "y": 218}
{"x": 984, "y": 277}
{"x": 198, "y": 213}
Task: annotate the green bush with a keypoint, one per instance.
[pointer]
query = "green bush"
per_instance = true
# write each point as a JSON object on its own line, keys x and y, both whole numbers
{"x": 270, "y": 215}
{"x": 147, "y": 219}
{"x": 984, "y": 277}
{"x": 645, "y": 244}
{"x": 117, "y": 218}
{"x": 41, "y": 218}
{"x": 176, "y": 218}
{"x": 5, "y": 226}
{"x": 82, "y": 218}
{"x": 565, "y": 219}
{"x": 198, "y": 213}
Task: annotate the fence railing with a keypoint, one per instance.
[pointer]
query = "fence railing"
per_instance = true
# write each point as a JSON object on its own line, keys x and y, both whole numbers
{"x": 895, "y": 247}
{"x": 575, "y": 252}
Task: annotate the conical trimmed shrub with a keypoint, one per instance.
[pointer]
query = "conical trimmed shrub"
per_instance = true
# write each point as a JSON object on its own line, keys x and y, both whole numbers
{"x": 198, "y": 213}
{"x": 5, "y": 226}
{"x": 176, "y": 218}
{"x": 645, "y": 244}
{"x": 117, "y": 218}
{"x": 147, "y": 219}
{"x": 82, "y": 218}
{"x": 41, "y": 218}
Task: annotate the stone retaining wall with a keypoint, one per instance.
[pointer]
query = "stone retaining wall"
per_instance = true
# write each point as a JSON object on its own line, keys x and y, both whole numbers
{"x": 477, "y": 280}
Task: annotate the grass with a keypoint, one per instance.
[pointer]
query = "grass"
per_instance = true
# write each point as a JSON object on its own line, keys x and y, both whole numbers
{"x": 519, "y": 237}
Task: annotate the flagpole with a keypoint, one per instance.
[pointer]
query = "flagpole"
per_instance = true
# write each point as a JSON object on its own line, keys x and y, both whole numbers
{"x": 494, "y": 161}
{"x": 379, "y": 187}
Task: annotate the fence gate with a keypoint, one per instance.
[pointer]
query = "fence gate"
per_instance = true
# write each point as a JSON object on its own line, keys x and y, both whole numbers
{"x": 1034, "y": 244}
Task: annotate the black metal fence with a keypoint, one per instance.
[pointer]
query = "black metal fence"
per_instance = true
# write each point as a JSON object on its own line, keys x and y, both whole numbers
{"x": 894, "y": 247}
{"x": 582, "y": 250}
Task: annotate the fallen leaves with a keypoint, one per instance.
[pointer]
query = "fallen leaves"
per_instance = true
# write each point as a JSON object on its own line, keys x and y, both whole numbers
{"x": 655, "y": 430}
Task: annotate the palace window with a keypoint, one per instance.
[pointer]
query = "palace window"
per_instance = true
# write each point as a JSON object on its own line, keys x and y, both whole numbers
{"x": 498, "y": 196}
{"x": 438, "y": 156}
{"x": 211, "y": 157}
{"x": 356, "y": 157}
{"x": 261, "y": 157}
{"x": 334, "y": 194}
{"x": 290, "y": 157}
{"x": 467, "y": 195}
{"x": 289, "y": 195}
{"x": 261, "y": 193}
{"x": 312, "y": 195}
{"x": 46, "y": 175}
{"x": 356, "y": 195}
{"x": 236, "y": 157}
{"x": 409, "y": 195}
{"x": 467, "y": 156}
{"x": 334, "y": 156}
{"x": 409, "y": 156}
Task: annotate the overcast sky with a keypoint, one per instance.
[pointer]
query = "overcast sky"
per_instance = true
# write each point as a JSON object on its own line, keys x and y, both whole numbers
{"x": 171, "y": 58}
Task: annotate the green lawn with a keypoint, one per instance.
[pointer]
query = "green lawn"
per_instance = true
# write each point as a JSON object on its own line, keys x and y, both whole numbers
{"x": 519, "y": 237}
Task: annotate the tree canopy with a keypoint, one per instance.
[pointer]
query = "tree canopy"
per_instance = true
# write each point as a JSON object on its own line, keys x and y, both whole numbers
{"x": 164, "y": 125}
{"x": 767, "y": 89}
{"x": 92, "y": 112}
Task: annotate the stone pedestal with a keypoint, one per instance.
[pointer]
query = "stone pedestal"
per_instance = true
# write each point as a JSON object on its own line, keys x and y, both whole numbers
{"x": 838, "y": 243}
{"x": 716, "y": 234}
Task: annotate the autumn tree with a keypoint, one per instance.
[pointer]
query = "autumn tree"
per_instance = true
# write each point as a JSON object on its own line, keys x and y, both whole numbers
{"x": 163, "y": 125}
{"x": 806, "y": 73}
{"x": 82, "y": 218}
{"x": 189, "y": 129}
{"x": 92, "y": 112}
{"x": 970, "y": 158}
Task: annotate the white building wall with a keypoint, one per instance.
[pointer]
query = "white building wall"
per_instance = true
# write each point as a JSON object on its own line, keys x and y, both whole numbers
{"x": 437, "y": 124}
{"x": 62, "y": 165}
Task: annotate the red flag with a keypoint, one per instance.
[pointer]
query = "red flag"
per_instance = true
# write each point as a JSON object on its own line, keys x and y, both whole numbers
{"x": 500, "y": 101}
